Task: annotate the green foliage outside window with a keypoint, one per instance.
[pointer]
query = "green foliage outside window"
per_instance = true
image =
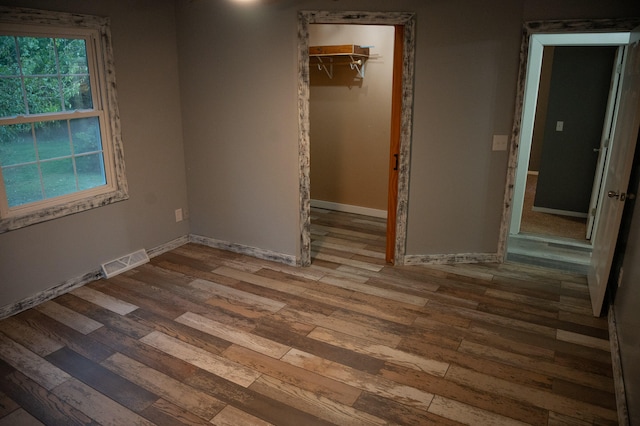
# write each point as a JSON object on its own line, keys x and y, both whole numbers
{"x": 47, "y": 157}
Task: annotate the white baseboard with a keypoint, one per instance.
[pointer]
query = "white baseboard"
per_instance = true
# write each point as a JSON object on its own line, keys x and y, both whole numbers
{"x": 559, "y": 212}
{"x": 347, "y": 208}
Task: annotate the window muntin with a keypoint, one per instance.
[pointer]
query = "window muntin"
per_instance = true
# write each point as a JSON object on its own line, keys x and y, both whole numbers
{"x": 60, "y": 146}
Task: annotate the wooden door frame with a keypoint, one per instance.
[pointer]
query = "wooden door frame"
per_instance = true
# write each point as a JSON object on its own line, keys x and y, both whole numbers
{"x": 404, "y": 119}
{"x": 530, "y": 28}
{"x": 394, "y": 151}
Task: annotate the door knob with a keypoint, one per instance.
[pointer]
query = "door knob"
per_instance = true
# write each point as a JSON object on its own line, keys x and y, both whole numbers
{"x": 613, "y": 194}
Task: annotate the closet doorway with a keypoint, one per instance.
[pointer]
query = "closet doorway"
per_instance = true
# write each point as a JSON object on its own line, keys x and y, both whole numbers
{"x": 400, "y": 117}
{"x": 351, "y": 75}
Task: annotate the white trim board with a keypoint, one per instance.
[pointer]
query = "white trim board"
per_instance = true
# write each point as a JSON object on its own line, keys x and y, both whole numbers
{"x": 348, "y": 208}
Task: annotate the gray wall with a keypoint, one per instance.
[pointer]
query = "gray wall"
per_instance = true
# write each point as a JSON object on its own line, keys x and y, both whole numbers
{"x": 580, "y": 85}
{"x": 627, "y": 301}
{"x": 238, "y": 81}
{"x": 237, "y": 91}
{"x": 41, "y": 256}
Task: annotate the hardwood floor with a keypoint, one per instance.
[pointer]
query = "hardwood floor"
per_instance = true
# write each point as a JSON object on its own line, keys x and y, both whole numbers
{"x": 202, "y": 336}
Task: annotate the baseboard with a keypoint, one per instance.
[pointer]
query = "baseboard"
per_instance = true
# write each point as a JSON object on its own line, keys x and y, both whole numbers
{"x": 447, "y": 259}
{"x": 246, "y": 250}
{"x": 559, "y": 212}
{"x": 347, "y": 208}
{"x": 616, "y": 363}
{"x": 50, "y": 293}
{"x": 163, "y": 248}
{"x": 73, "y": 283}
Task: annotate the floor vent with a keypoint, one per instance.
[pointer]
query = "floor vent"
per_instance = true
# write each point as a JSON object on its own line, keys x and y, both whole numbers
{"x": 124, "y": 263}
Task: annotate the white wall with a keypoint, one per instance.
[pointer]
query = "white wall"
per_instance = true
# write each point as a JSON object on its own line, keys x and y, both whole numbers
{"x": 41, "y": 256}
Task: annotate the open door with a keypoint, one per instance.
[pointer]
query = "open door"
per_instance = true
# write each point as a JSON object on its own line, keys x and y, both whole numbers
{"x": 616, "y": 178}
{"x": 603, "y": 150}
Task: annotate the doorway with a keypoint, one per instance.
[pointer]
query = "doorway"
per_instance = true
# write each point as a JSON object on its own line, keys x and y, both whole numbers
{"x": 406, "y": 22}
{"x": 548, "y": 250}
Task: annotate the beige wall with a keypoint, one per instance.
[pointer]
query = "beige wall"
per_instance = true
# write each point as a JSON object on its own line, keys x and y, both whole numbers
{"x": 41, "y": 256}
{"x": 350, "y": 119}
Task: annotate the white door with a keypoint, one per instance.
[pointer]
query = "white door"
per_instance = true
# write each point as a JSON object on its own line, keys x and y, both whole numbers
{"x": 616, "y": 179}
{"x": 604, "y": 142}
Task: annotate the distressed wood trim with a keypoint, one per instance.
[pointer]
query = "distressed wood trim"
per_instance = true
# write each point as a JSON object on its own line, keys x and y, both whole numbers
{"x": 163, "y": 248}
{"x": 616, "y": 364}
{"x": 448, "y": 259}
{"x": 76, "y": 282}
{"x": 408, "y": 21}
{"x": 528, "y": 29}
{"x": 243, "y": 249}
{"x": 49, "y": 294}
{"x": 106, "y": 77}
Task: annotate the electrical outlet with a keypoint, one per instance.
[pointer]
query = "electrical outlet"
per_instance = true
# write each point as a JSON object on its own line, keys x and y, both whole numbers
{"x": 500, "y": 142}
{"x": 179, "y": 215}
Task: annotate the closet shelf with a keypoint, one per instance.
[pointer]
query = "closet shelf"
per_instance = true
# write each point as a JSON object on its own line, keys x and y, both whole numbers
{"x": 325, "y": 57}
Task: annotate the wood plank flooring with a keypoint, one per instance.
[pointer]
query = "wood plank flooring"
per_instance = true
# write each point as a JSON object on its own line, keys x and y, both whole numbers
{"x": 202, "y": 336}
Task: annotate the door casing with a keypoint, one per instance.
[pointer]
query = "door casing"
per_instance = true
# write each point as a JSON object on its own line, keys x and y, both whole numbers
{"x": 574, "y": 32}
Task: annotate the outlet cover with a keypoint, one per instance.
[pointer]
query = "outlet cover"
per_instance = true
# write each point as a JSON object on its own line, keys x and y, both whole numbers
{"x": 500, "y": 142}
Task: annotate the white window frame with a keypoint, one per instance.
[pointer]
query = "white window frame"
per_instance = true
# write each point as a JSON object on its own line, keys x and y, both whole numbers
{"x": 95, "y": 31}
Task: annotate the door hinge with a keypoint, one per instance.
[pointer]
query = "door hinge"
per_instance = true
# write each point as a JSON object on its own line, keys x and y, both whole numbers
{"x": 593, "y": 211}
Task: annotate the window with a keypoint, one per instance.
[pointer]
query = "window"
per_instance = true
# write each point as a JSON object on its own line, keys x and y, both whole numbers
{"x": 60, "y": 145}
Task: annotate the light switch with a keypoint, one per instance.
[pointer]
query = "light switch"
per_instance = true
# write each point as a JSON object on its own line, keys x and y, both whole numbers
{"x": 500, "y": 142}
{"x": 559, "y": 126}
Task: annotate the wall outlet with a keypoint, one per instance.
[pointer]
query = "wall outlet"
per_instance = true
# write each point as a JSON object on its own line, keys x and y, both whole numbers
{"x": 179, "y": 216}
{"x": 500, "y": 142}
{"x": 559, "y": 126}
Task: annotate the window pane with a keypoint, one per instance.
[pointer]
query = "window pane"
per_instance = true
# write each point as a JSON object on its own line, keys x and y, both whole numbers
{"x": 37, "y": 56}
{"x": 52, "y": 138}
{"x": 90, "y": 171}
{"x": 11, "y": 100}
{"x": 72, "y": 55}
{"x": 77, "y": 93}
{"x": 85, "y": 133}
{"x": 43, "y": 95}
{"x": 58, "y": 177}
{"x": 8, "y": 57}
{"x": 16, "y": 145}
{"x": 22, "y": 184}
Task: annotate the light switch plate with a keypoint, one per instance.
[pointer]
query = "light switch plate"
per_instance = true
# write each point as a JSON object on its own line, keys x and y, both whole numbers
{"x": 559, "y": 126}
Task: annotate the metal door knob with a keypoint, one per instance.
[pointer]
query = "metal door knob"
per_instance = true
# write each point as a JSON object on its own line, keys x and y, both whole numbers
{"x": 613, "y": 194}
